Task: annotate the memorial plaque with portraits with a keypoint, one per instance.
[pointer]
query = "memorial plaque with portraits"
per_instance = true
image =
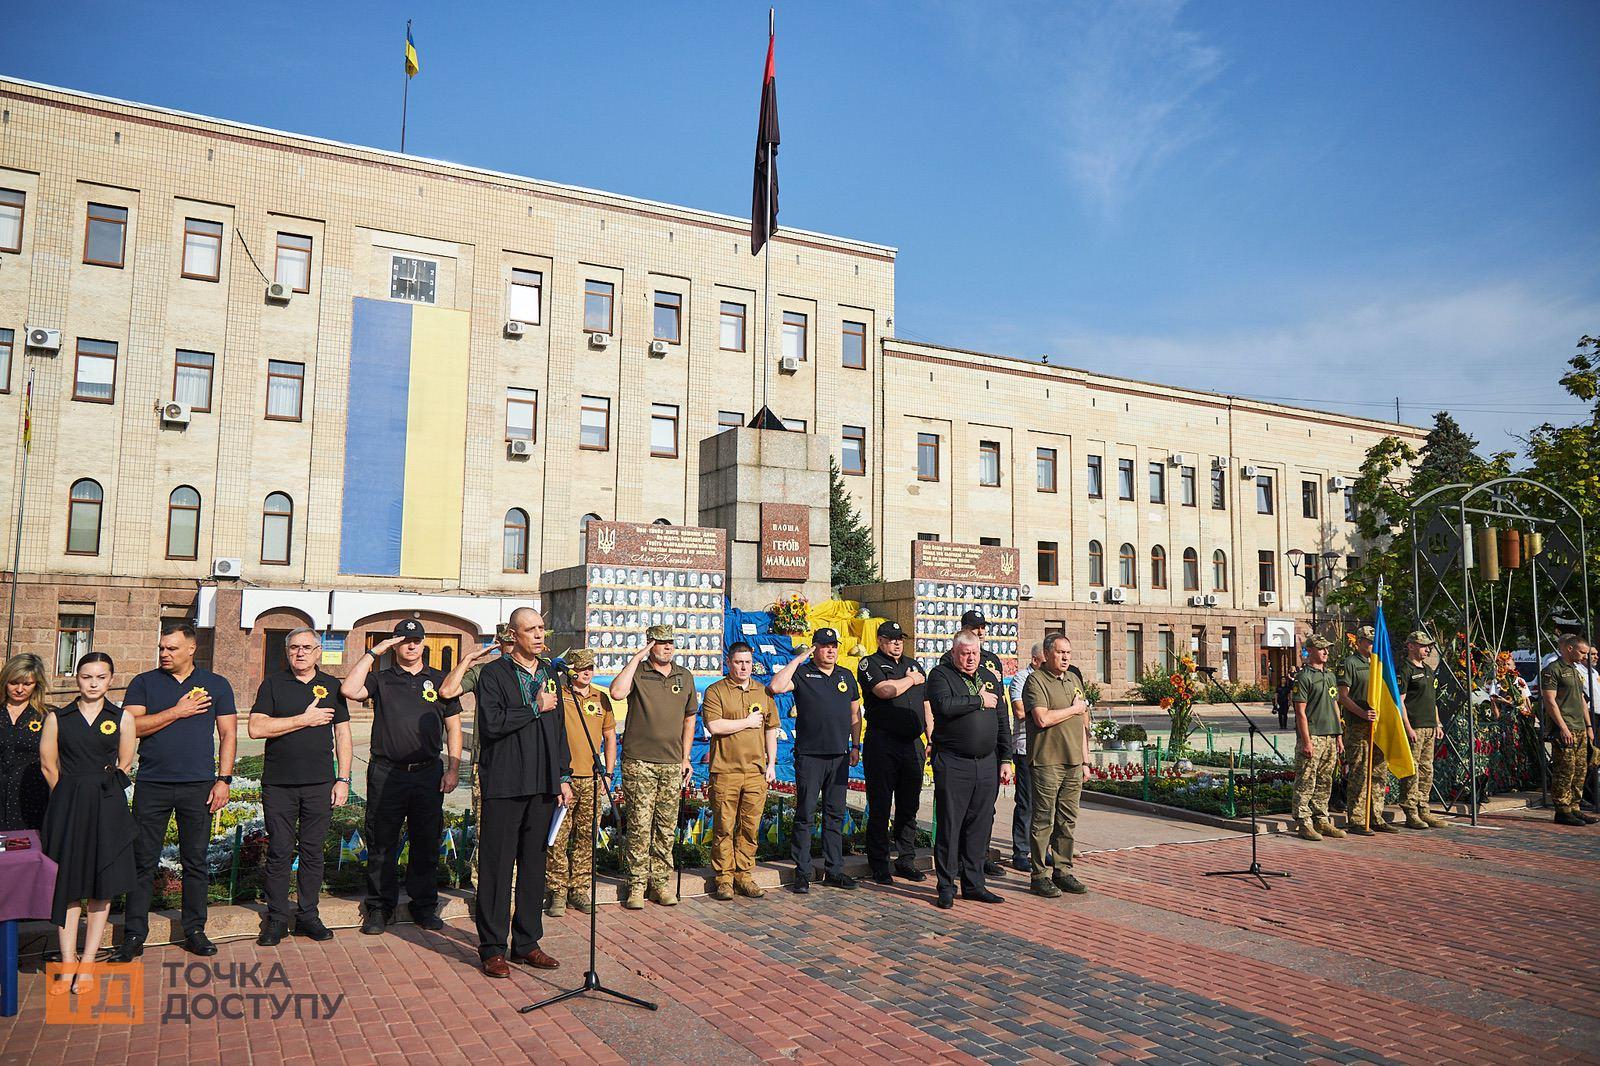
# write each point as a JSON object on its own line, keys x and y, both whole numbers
{"x": 951, "y": 579}
{"x": 638, "y": 576}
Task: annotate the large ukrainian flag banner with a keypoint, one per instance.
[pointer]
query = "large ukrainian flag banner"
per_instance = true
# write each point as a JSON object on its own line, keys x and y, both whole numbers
{"x": 405, "y": 441}
{"x": 1383, "y": 696}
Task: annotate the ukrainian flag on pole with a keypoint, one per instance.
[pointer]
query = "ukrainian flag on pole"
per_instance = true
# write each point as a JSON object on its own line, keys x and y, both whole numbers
{"x": 1383, "y": 696}
{"x": 412, "y": 63}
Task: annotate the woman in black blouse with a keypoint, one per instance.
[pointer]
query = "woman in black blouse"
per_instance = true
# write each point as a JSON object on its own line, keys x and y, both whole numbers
{"x": 23, "y": 792}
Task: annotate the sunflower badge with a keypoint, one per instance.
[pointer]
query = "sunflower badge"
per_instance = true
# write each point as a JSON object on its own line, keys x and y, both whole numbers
{"x": 843, "y": 687}
{"x": 197, "y": 692}
{"x": 429, "y": 694}
{"x": 320, "y": 691}
{"x": 677, "y": 687}
{"x": 108, "y": 727}
{"x": 550, "y": 685}
{"x": 591, "y": 707}
{"x": 35, "y": 725}
{"x": 755, "y": 708}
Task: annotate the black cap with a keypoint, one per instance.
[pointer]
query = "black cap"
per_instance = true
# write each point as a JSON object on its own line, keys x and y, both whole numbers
{"x": 891, "y": 631}
{"x": 973, "y": 620}
{"x": 824, "y": 636}
{"x": 409, "y": 629}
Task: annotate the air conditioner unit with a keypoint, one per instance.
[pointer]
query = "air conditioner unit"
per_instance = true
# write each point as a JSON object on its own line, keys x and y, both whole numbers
{"x": 1094, "y": 595}
{"x": 789, "y": 364}
{"x": 1197, "y": 601}
{"x": 514, "y": 328}
{"x": 229, "y": 568}
{"x": 1116, "y": 595}
{"x": 1212, "y": 599}
{"x": 600, "y": 341}
{"x": 1025, "y": 592}
{"x": 1337, "y": 484}
{"x": 1220, "y": 462}
{"x": 519, "y": 448}
{"x": 279, "y": 293}
{"x": 44, "y": 340}
{"x": 1247, "y": 472}
{"x": 1177, "y": 459}
{"x": 658, "y": 349}
{"x": 1268, "y": 599}
{"x": 174, "y": 413}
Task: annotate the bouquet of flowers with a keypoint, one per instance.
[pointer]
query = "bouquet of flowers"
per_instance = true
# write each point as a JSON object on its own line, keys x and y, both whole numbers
{"x": 789, "y": 616}
{"x": 1179, "y": 703}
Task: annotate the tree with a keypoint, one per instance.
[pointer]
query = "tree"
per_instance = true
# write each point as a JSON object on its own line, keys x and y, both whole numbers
{"x": 854, "y": 561}
{"x": 1450, "y": 455}
{"x": 1567, "y": 458}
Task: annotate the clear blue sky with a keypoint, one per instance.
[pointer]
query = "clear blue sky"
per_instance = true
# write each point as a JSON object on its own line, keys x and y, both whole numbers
{"x": 1340, "y": 203}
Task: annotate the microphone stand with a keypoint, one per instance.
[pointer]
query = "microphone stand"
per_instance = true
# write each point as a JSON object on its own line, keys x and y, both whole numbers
{"x": 1254, "y": 870}
{"x": 591, "y": 976}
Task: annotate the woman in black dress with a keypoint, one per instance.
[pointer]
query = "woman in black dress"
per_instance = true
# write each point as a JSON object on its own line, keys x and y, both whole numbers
{"x": 23, "y": 792}
{"x": 86, "y": 752}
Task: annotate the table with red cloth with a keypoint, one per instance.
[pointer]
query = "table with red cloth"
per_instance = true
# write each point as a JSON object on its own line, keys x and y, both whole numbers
{"x": 27, "y": 889}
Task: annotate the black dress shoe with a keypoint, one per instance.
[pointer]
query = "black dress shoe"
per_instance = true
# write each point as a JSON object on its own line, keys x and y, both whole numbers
{"x": 883, "y": 877}
{"x": 946, "y": 900}
{"x": 1023, "y": 865}
{"x": 196, "y": 943}
{"x": 801, "y": 885}
{"x": 992, "y": 868}
{"x": 374, "y": 922}
{"x": 840, "y": 881}
{"x": 313, "y": 930}
{"x": 272, "y": 934}
{"x": 983, "y": 895}
{"x": 1069, "y": 883}
{"x": 131, "y": 948}
{"x": 430, "y": 921}
{"x": 910, "y": 873}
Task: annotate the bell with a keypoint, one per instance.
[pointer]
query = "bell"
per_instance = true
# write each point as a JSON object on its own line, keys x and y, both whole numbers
{"x": 1510, "y": 548}
{"x": 1487, "y": 543}
{"x": 1533, "y": 544}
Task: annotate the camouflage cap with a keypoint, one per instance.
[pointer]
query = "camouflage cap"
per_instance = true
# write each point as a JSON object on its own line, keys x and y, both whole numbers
{"x": 1419, "y": 637}
{"x": 1318, "y": 642}
{"x": 660, "y": 635}
{"x": 580, "y": 659}
{"x": 1367, "y": 633}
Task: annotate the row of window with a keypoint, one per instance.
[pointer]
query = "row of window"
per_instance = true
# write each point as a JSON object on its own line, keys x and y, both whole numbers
{"x": 87, "y": 501}
{"x": 1166, "y": 650}
{"x": 1128, "y": 567}
{"x": 94, "y": 377}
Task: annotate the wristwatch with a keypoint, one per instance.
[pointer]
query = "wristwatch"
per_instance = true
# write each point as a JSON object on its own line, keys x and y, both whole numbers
{"x": 226, "y": 779}
{"x": 346, "y": 780}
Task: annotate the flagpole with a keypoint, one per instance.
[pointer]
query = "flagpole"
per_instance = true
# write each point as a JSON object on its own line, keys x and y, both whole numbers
{"x": 405, "y": 96}
{"x": 22, "y": 503}
{"x": 772, "y": 232}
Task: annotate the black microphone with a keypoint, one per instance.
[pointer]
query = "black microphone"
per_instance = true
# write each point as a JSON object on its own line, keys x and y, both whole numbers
{"x": 1209, "y": 671}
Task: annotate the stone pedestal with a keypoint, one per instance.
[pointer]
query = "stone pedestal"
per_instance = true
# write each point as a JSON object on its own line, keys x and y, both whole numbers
{"x": 786, "y": 550}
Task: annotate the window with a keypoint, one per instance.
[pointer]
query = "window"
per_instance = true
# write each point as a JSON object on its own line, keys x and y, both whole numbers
{"x": 1352, "y": 510}
{"x": 191, "y": 379}
{"x": 1313, "y": 565}
{"x": 1264, "y": 494}
{"x": 83, "y": 518}
{"x": 1048, "y": 574}
{"x": 927, "y": 536}
{"x": 1045, "y": 469}
{"x": 1127, "y": 567}
{"x": 1191, "y": 570}
{"x": 522, "y": 413}
{"x": 524, "y": 296}
{"x": 1186, "y": 486}
{"x": 661, "y": 522}
{"x": 1197, "y": 645}
{"x": 1124, "y": 479}
{"x": 1096, "y": 478}
{"x": 927, "y": 457}
{"x": 989, "y": 462}
{"x": 1219, "y": 490}
{"x": 853, "y": 456}
{"x": 515, "y": 546}
{"x": 594, "y": 424}
{"x": 277, "y": 529}
{"x": 293, "y": 265}
{"x": 412, "y": 279}
{"x": 183, "y": 523}
{"x": 1097, "y": 564}
{"x": 1135, "y": 652}
{"x": 1267, "y": 566}
{"x": 285, "y": 384}
{"x": 105, "y": 235}
{"x": 1230, "y": 661}
{"x": 1219, "y": 571}
{"x": 1158, "y": 483}
{"x": 1308, "y": 499}
{"x": 8, "y": 344}
{"x": 202, "y": 249}
{"x": 730, "y": 419}
{"x": 74, "y": 636}
{"x": 1158, "y": 567}
{"x": 794, "y": 334}
{"x": 1166, "y": 650}
{"x": 667, "y": 318}
{"x": 731, "y": 337}
{"x": 95, "y": 377}
{"x": 597, "y": 306}
{"x": 991, "y": 542}
{"x": 13, "y": 205}
{"x": 1102, "y": 653}
{"x": 664, "y": 430}
{"x": 795, "y": 425}
{"x": 854, "y": 356}
{"x": 1351, "y": 562}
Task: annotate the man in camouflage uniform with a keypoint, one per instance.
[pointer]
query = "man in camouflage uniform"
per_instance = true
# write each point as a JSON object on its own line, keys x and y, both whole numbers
{"x": 461, "y": 680}
{"x": 587, "y": 709}
{"x": 1418, "y": 683}
{"x": 1561, "y": 688}
{"x": 1364, "y": 797}
{"x": 1318, "y": 742}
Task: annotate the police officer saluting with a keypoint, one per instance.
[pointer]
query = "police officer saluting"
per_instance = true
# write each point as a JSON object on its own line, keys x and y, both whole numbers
{"x": 892, "y": 757}
{"x": 406, "y": 783}
{"x": 827, "y": 742}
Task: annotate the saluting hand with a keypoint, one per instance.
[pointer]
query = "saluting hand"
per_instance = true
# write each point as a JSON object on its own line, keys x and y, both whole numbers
{"x": 314, "y": 715}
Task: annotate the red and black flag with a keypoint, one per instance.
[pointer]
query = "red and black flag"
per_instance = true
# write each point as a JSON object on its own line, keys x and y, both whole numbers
{"x": 764, "y": 201}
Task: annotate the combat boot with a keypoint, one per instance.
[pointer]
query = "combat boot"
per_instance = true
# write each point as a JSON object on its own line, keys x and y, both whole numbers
{"x": 558, "y": 905}
{"x": 722, "y": 890}
{"x": 1416, "y": 821}
{"x": 1433, "y": 820}
{"x": 1308, "y": 833}
{"x": 634, "y": 901}
{"x": 579, "y": 900}
{"x": 663, "y": 895}
{"x": 1381, "y": 825}
{"x": 1328, "y": 829}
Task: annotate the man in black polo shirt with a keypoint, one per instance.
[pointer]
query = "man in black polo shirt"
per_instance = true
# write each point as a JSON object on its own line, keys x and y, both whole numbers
{"x": 406, "y": 784}
{"x": 892, "y": 756}
{"x": 302, "y": 715}
{"x": 977, "y": 625}
{"x": 827, "y": 732}
{"x": 175, "y": 710}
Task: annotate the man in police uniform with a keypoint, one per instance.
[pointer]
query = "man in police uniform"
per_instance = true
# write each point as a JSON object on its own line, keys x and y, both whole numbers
{"x": 1319, "y": 741}
{"x": 1365, "y": 796}
{"x": 1418, "y": 683}
{"x": 406, "y": 783}
{"x": 587, "y": 710}
{"x": 1058, "y": 744}
{"x": 827, "y": 742}
{"x": 1567, "y": 727}
{"x": 656, "y": 741}
{"x": 743, "y": 723}
{"x": 457, "y": 683}
{"x": 892, "y": 757}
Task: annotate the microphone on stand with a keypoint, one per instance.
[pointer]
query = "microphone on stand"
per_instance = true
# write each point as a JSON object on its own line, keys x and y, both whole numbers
{"x": 1209, "y": 671}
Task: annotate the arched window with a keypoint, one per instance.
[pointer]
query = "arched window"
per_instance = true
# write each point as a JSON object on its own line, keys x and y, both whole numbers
{"x": 1191, "y": 570}
{"x": 83, "y": 518}
{"x": 1219, "y": 570}
{"x": 661, "y": 522}
{"x": 1158, "y": 567}
{"x": 1128, "y": 567}
{"x": 277, "y": 527}
{"x": 583, "y": 534}
{"x": 183, "y": 523}
{"x": 515, "y": 550}
{"x": 1097, "y": 564}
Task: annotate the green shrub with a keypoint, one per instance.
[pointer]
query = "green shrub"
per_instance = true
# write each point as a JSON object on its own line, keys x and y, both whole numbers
{"x": 1132, "y": 732}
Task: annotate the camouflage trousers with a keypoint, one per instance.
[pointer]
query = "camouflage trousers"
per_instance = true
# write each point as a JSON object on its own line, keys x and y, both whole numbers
{"x": 1363, "y": 805}
{"x": 653, "y": 792}
{"x": 569, "y": 864}
{"x": 1568, "y": 768}
{"x": 1416, "y": 790}
{"x": 1313, "y": 780}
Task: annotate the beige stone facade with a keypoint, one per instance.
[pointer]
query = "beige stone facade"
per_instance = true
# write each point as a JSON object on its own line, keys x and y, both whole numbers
{"x": 173, "y": 179}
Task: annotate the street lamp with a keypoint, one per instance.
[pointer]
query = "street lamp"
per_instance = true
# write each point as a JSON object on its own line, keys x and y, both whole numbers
{"x": 1329, "y": 561}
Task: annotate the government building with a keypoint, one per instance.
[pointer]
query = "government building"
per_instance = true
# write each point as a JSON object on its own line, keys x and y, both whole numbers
{"x": 278, "y": 380}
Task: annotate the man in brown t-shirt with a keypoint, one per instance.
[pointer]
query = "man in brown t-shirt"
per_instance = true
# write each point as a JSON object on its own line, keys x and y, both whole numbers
{"x": 587, "y": 710}
{"x": 1058, "y": 716}
{"x": 656, "y": 739}
{"x": 743, "y": 722}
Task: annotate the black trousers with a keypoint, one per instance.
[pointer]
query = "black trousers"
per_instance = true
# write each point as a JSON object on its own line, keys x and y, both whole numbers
{"x": 411, "y": 798}
{"x": 825, "y": 778}
{"x": 297, "y": 818}
{"x": 513, "y": 833}
{"x": 964, "y": 791}
{"x": 154, "y": 804}
{"x": 1022, "y": 809}
{"x": 893, "y": 768}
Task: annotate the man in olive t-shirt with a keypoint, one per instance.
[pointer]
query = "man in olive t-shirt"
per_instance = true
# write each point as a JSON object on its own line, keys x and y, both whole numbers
{"x": 1057, "y": 722}
{"x": 1365, "y": 796}
{"x": 1318, "y": 741}
{"x": 743, "y": 722}
{"x": 1418, "y": 695}
{"x": 1561, "y": 688}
